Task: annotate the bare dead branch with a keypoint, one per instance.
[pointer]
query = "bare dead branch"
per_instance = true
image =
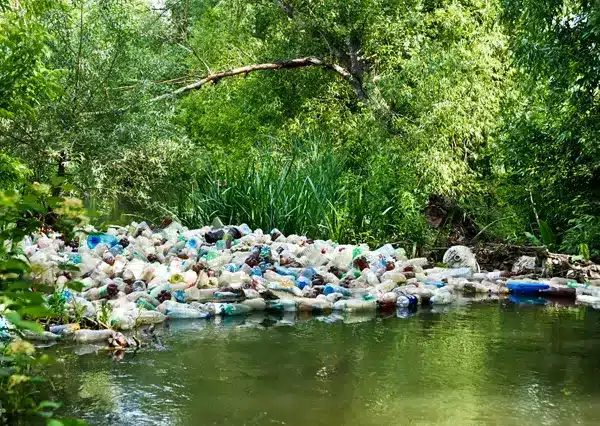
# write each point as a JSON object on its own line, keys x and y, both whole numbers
{"x": 308, "y": 61}
{"x": 292, "y": 63}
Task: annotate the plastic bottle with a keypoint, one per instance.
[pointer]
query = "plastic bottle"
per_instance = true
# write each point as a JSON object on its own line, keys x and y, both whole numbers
{"x": 227, "y": 278}
{"x": 386, "y": 250}
{"x": 64, "y": 329}
{"x": 235, "y": 309}
{"x": 334, "y": 297}
{"x": 182, "y": 313}
{"x": 285, "y": 305}
{"x": 442, "y": 298}
{"x": 146, "y": 317}
{"x": 285, "y": 286}
{"x": 387, "y": 299}
{"x": 79, "y": 302}
{"x": 395, "y": 276}
{"x": 117, "y": 250}
{"x": 286, "y": 272}
{"x": 526, "y": 287}
{"x": 451, "y": 273}
{"x": 302, "y": 282}
{"x": 94, "y": 240}
{"x": 330, "y": 288}
{"x": 159, "y": 288}
{"x": 257, "y": 304}
{"x": 342, "y": 258}
{"x": 104, "y": 292}
{"x": 584, "y": 299}
{"x": 121, "y": 319}
{"x": 369, "y": 277}
{"x": 355, "y": 305}
{"x": 313, "y": 305}
{"x": 138, "y": 285}
{"x": 404, "y": 301}
{"x": 45, "y": 336}
{"x": 144, "y": 304}
{"x": 86, "y": 336}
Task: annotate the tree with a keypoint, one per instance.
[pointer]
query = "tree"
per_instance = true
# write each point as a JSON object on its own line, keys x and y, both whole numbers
{"x": 107, "y": 54}
{"x": 550, "y": 146}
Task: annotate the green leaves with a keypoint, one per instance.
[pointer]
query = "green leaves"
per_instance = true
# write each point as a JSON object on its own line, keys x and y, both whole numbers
{"x": 548, "y": 237}
{"x": 17, "y": 321}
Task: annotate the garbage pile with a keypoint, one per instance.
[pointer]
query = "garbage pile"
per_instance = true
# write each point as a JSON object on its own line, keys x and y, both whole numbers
{"x": 137, "y": 275}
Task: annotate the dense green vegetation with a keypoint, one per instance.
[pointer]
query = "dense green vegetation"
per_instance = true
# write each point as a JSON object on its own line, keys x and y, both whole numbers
{"x": 489, "y": 106}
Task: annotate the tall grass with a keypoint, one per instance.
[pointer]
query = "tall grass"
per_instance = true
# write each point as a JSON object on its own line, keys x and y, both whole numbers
{"x": 296, "y": 194}
{"x": 313, "y": 192}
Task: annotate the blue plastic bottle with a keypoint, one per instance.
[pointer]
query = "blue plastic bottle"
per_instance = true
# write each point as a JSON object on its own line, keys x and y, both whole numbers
{"x": 330, "y": 288}
{"x": 526, "y": 287}
{"x": 94, "y": 239}
{"x": 117, "y": 249}
{"x": 285, "y": 272}
{"x": 302, "y": 282}
{"x": 309, "y": 272}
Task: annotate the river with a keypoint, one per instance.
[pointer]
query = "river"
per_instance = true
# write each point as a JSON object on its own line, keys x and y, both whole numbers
{"x": 486, "y": 364}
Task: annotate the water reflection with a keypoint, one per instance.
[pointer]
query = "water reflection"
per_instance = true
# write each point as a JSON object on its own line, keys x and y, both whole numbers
{"x": 498, "y": 363}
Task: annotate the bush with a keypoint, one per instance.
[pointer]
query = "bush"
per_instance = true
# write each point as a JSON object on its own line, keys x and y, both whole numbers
{"x": 20, "y": 383}
{"x": 584, "y": 230}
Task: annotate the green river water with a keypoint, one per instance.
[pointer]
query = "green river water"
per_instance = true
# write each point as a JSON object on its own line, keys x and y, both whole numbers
{"x": 486, "y": 364}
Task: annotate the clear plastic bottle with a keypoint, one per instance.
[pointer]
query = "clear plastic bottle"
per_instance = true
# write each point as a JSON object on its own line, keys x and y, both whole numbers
{"x": 355, "y": 305}
{"x": 86, "y": 336}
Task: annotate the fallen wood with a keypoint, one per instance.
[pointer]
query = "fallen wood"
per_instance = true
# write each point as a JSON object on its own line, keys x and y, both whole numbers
{"x": 546, "y": 264}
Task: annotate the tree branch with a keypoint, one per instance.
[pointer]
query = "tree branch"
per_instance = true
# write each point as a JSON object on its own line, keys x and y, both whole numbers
{"x": 309, "y": 61}
{"x": 292, "y": 63}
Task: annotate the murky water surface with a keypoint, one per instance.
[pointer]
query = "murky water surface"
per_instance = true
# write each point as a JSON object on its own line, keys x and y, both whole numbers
{"x": 485, "y": 364}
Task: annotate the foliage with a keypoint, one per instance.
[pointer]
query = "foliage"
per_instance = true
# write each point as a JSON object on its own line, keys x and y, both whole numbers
{"x": 23, "y": 302}
{"x": 584, "y": 230}
{"x": 12, "y": 172}
{"x": 549, "y": 140}
{"x": 25, "y": 79}
{"x": 492, "y": 104}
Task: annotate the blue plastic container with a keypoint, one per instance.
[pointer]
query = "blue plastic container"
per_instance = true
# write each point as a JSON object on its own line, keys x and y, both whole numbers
{"x": 526, "y": 287}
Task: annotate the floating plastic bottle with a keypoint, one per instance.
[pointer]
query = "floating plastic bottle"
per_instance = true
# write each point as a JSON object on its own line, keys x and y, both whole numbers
{"x": 64, "y": 329}
{"x": 185, "y": 313}
{"x": 285, "y": 305}
{"x": 442, "y": 298}
{"x": 526, "y": 287}
{"x": 86, "y": 336}
{"x": 355, "y": 305}
{"x": 313, "y": 305}
{"x": 145, "y": 317}
{"x": 235, "y": 309}
{"x": 404, "y": 301}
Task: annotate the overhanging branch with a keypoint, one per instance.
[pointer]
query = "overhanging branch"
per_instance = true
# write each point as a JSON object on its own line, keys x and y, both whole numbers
{"x": 309, "y": 61}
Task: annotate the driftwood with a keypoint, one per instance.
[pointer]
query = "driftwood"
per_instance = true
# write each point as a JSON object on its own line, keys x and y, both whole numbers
{"x": 504, "y": 256}
{"x": 547, "y": 264}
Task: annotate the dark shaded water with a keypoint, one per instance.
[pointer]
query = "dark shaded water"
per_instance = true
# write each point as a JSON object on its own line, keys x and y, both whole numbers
{"x": 499, "y": 364}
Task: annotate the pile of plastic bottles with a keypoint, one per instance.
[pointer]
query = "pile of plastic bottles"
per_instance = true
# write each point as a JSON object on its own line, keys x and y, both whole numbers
{"x": 150, "y": 275}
